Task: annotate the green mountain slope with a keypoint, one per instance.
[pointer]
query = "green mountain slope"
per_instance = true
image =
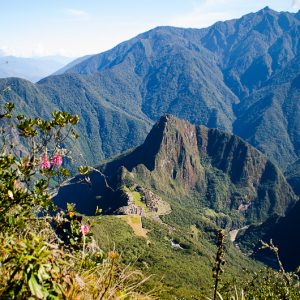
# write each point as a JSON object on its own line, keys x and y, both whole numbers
{"x": 105, "y": 129}
{"x": 216, "y": 76}
{"x": 293, "y": 176}
{"x": 174, "y": 191}
{"x": 182, "y": 273}
{"x": 28, "y": 98}
{"x": 192, "y": 168}
{"x": 269, "y": 117}
{"x": 240, "y": 76}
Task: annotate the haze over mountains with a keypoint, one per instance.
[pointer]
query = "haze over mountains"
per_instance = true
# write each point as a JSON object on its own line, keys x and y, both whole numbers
{"x": 33, "y": 69}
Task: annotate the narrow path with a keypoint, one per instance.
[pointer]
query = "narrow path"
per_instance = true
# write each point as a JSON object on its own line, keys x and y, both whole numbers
{"x": 233, "y": 233}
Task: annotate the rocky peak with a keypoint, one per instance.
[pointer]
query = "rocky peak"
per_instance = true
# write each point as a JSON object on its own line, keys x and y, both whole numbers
{"x": 180, "y": 146}
{"x": 187, "y": 156}
{"x": 266, "y": 10}
{"x": 181, "y": 160}
{"x": 178, "y": 154}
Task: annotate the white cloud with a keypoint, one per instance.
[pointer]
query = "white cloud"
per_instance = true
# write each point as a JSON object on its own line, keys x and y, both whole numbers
{"x": 5, "y": 50}
{"x": 296, "y": 4}
{"x": 199, "y": 18}
{"x": 205, "y": 13}
{"x": 76, "y": 12}
{"x": 38, "y": 50}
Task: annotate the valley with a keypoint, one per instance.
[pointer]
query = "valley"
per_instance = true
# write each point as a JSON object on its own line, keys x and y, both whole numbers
{"x": 184, "y": 134}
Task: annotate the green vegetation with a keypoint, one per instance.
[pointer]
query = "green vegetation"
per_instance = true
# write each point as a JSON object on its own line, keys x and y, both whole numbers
{"x": 241, "y": 76}
{"x": 187, "y": 272}
{"x": 135, "y": 222}
{"x": 284, "y": 233}
{"x": 293, "y": 176}
{"x": 137, "y": 199}
{"x": 181, "y": 273}
{"x": 178, "y": 248}
{"x": 48, "y": 254}
{"x": 105, "y": 129}
{"x": 229, "y": 183}
{"x": 136, "y": 196}
{"x": 265, "y": 284}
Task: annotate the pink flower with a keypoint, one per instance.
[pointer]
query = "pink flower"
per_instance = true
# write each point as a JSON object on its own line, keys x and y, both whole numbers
{"x": 84, "y": 229}
{"x": 45, "y": 162}
{"x": 56, "y": 160}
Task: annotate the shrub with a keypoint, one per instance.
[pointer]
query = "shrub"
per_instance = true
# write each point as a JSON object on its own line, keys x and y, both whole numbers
{"x": 46, "y": 253}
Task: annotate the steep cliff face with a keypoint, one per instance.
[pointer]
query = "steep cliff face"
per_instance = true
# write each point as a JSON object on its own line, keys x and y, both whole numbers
{"x": 177, "y": 159}
{"x": 215, "y": 169}
{"x": 263, "y": 188}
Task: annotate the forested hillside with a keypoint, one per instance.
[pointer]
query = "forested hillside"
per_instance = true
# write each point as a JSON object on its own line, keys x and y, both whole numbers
{"x": 240, "y": 75}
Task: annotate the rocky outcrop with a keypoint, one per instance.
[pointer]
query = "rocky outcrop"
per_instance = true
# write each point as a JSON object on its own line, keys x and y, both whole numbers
{"x": 154, "y": 205}
{"x": 130, "y": 209}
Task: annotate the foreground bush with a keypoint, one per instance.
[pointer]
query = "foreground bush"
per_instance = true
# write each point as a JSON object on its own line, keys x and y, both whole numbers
{"x": 45, "y": 253}
{"x": 266, "y": 284}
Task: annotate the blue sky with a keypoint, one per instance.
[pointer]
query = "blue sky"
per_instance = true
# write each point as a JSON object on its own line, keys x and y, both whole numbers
{"x": 80, "y": 27}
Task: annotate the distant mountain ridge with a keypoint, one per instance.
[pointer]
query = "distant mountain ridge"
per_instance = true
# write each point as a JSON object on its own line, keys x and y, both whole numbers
{"x": 33, "y": 69}
{"x": 241, "y": 76}
{"x": 71, "y": 65}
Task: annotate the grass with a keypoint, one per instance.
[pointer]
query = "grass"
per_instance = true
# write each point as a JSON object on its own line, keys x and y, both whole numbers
{"x": 135, "y": 222}
{"x": 179, "y": 274}
{"x": 137, "y": 197}
{"x": 194, "y": 232}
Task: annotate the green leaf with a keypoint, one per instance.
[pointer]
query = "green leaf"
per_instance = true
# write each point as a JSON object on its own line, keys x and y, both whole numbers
{"x": 83, "y": 170}
{"x": 65, "y": 172}
{"x": 35, "y": 287}
{"x": 43, "y": 274}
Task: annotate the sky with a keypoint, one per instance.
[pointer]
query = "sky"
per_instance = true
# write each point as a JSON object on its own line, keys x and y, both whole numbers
{"x": 75, "y": 28}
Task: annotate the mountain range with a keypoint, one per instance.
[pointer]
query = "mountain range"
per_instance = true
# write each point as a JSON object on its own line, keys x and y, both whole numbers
{"x": 240, "y": 75}
{"x": 224, "y": 148}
